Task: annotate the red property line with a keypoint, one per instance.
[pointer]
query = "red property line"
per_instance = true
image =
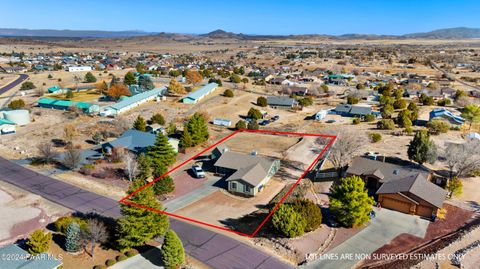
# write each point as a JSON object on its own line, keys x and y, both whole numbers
{"x": 332, "y": 139}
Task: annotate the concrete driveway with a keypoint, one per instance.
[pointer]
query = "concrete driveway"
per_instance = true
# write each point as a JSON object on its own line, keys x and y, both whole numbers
{"x": 387, "y": 225}
{"x": 146, "y": 260}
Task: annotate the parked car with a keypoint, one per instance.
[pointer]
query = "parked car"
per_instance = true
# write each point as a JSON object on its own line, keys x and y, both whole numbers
{"x": 198, "y": 171}
{"x": 264, "y": 122}
{"x": 275, "y": 118}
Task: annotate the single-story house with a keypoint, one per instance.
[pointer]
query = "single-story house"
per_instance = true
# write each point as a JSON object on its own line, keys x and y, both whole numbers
{"x": 222, "y": 122}
{"x": 347, "y": 110}
{"x": 14, "y": 257}
{"x": 133, "y": 102}
{"x": 447, "y": 115}
{"x": 54, "y": 89}
{"x": 247, "y": 174}
{"x": 296, "y": 90}
{"x": 7, "y": 127}
{"x": 281, "y": 102}
{"x": 66, "y": 105}
{"x": 199, "y": 94}
{"x": 404, "y": 189}
{"x": 135, "y": 141}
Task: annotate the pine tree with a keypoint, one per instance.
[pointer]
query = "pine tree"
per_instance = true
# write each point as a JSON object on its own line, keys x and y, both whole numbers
{"x": 197, "y": 127}
{"x": 144, "y": 167}
{"x": 173, "y": 254}
{"x": 161, "y": 153}
{"x": 72, "y": 237}
{"x": 39, "y": 242}
{"x": 140, "y": 124}
{"x": 350, "y": 203}
{"x": 89, "y": 77}
{"x": 129, "y": 79}
{"x": 240, "y": 125}
{"x": 165, "y": 184}
{"x": 421, "y": 149}
{"x": 138, "y": 225}
{"x": 186, "y": 140}
{"x": 288, "y": 222}
{"x": 157, "y": 118}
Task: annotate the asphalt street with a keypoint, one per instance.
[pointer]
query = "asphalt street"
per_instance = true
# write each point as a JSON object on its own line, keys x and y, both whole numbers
{"x": 8, "y": 87}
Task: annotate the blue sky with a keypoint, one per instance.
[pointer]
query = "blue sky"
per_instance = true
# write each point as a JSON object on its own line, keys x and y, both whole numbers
{"x": 246, "y": 16}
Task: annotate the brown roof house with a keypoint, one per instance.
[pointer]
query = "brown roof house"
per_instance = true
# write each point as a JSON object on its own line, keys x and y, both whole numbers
{"x": 246, "y": 174}
{"x": 400, "y": 188}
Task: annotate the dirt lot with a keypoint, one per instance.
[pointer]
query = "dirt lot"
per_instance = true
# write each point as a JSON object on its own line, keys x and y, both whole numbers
{"x": 36, "y": 213}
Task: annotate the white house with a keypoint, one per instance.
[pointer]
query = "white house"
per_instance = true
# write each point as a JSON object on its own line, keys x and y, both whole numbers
{"x": 133, "y": 102}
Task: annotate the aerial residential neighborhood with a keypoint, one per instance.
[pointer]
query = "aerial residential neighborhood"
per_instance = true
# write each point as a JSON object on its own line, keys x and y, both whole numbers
{"x": 307, "y": 134}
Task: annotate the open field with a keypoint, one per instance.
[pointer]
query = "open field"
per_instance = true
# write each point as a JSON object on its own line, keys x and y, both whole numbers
{"x": 82, "y": 96}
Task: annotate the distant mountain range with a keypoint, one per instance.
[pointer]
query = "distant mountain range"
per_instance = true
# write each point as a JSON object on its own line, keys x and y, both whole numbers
{"x": 449, "y": 33}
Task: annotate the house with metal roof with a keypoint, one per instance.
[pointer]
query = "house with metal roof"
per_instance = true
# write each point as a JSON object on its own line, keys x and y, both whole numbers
{"x": 7, "y": 126}
{"x": 442, "y": 113}
{"x": 347, "y": 110}
{"x": 196, "y": 96}
{"x": 281, "y": 102}
{"x": 67, "y": 105}
{"x": 134, "y": 141}
{"x": 246, "y": 174}
{"x": 133, "y": 102}
{"x": 20, "y": 259}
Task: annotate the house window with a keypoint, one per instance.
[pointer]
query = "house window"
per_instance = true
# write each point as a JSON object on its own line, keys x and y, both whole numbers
{"x": 233, "y": 185}
{"x": 247, "y": 188}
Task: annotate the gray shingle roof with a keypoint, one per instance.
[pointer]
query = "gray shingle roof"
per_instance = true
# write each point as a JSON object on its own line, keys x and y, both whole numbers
{"x": 417, "y": 185}
{"x": 384, "y": 171}
{"x": 281, "y": 101}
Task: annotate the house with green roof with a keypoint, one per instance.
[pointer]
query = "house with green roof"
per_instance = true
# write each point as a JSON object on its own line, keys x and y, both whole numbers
{"x": 67, "y": 104}
{"x": 199, "y": 94}
{"x": 7, "y": 127}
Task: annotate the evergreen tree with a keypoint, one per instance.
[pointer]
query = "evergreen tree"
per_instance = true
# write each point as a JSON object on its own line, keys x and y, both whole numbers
{"x": 129, "y": 79}
{"x": 350, "y": 203}
{"x": 161, "y": 153}
{"x": 39, "y": 242}
{"x": 144, "y": 167}
{"x": 421, "y": 149}
{"x": 288, "y": 222}
{"x": 140, "y": 124}
{"x": 72, "y": 238}
{"x": 240, "y": 125}
{"x": 197, "y": 127}
{"x": 157, "y": 118}
{"x": 186, "y": 140}
{"x": 254, "y": 113}
{"x": 138, "y": 225}
{"x": 165, "y": 184}
{"x": 253, "y": 125}
{"x": 262, "y": 101}
{"x": 90, "y": 78}
{"x": 173, "y": 254}
{"x": 471, "y": 113}
{"x": 145, "y": 82}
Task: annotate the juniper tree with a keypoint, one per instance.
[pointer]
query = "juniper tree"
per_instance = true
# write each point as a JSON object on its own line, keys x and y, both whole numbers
{"x": 140, "y": 124}
{"x": 173, "y": 254}
{"x": 39, "y": 242}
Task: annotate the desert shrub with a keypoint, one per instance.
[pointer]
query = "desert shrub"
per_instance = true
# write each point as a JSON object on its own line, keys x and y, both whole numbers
{"x": 254, "y": 113}
{"x": 131, "y": 253}
{"x": 110, "y": 262}
{"x": 386, "y": 124}
{"x": 241, "y": 124}
{"x": 288, "y": 222}
{"x": 352, "y": 100}
{"x": 375, "y": 137}
{"x": 61, "y": 225}
{"x": 437, "y": 126}
{"x": 356, "y": 121}
{"x": 100, "y": 267}
{"x": 228, "y": 93}
{"x": 306, "y": 101}
{"x": 16, "y": 104}
{"x": 369, "y": 117}
{"x": 444, "y": 102}
{"x": 310, "y": 212}
{"x": 262, "y": 101}
{"x": 400, "y": 104}
{"x": 121, "y": 257}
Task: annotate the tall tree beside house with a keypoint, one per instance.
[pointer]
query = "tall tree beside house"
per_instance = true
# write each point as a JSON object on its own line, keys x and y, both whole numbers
{"x": 72, "y": 237}
{"x": 161, "y": 152}
{"x": 118, "y": 90}
{"x": 38, "y": 242}
{"x": 165, "y": 184}
{"x": 455, "y": 187}
{"x": 186, "y": 139}
{"x": 158, "y": 119}
{"x": 350, "y": 203}
{"x": 145, "y": 82}
{"x": 90, "y": 78}
{"x": 138, "y": 225}
{"x": 145, "y": 169}
{"x": 193, "y": 77}
{"x": 471, "y": 113}
{"x": 254, "y": 113}
{"x": 422, "y": 149}
{"x": 129, "y": 79}
{"x": 176, "y": 87}
{"x": 197, "y": 127}
{"x": 140, "y": 124}
{"x": 173, "y": 253}
{"x": 288, "y": 222}
{"x": 262, "y": 101}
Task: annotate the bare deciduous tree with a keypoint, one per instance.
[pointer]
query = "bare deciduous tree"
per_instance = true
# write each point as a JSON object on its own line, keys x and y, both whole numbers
{"x": 96, "y": 233}
{"x": 69, "y": 133}
{"x": 47, "y": 152}
{"x": 131, "y": 165}
{"x": 72, "y": 157}
{"x": 346, "y": 145}
{"x": 462, "y": 159}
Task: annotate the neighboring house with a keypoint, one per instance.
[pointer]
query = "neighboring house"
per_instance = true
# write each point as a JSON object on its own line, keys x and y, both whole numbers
{"x": 79, "y": 68}
{"x": 55, "y": 89}
{"x": 296, "y": 90}
{"x": 281, "y": 102}
{"x": 135, "y": 141}
{"x": 222, "y": 122}
{"x": 246, "y": 174}
{"x": 67, "y": 105}
{"x": 7, "y": 127}
{"x": 447, "y": 115}
{"x": 347, "y": 110}
{"x": 133, "y": 102}
{"x": 199, "y": 94}
{"x": 400, "y": 188}
{"x": 13, "y": 257}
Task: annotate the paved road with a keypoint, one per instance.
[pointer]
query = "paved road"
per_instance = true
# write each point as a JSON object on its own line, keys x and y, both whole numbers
{"x": 8, "y": 87}
{"x": 387, "y": 225}
{"x": 213, "y": 249}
